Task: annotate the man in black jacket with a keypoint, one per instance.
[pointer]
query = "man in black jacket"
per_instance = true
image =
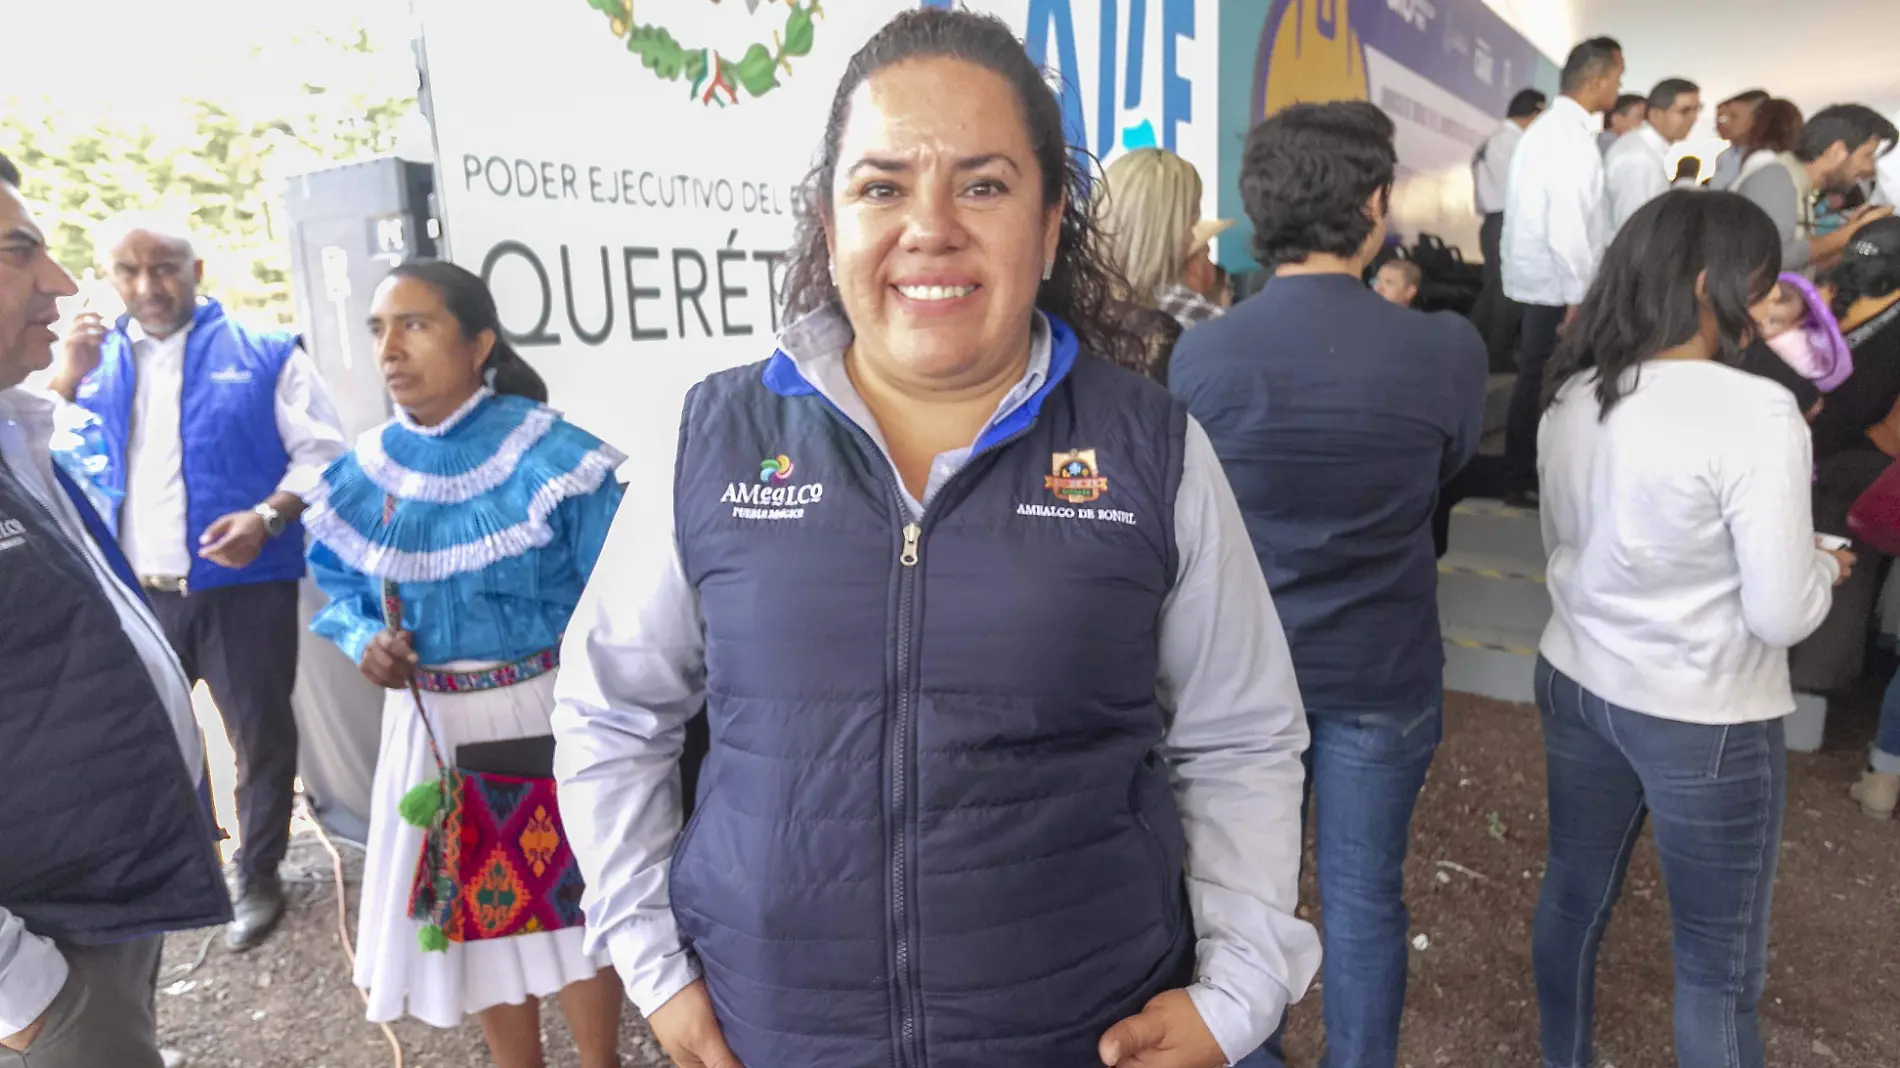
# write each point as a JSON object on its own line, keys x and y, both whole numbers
{"x": 106, "y": 837}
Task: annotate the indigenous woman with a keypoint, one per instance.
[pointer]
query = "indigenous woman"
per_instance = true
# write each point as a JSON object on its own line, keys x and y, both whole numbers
{"x": 454, "y": 542}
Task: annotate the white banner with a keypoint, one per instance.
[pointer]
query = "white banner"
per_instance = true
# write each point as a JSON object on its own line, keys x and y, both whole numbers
{"x": 624, "y": 171}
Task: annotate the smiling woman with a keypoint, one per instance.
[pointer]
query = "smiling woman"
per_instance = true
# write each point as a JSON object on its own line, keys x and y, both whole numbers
{"x": 1033, "y": 193}
{"x": 986, "y": 660}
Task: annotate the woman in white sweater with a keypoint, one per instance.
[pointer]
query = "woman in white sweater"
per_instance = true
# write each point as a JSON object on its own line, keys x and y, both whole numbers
{"x": 1683, "y": 564}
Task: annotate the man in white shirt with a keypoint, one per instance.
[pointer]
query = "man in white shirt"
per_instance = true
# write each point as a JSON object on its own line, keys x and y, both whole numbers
{"x": 106, "y": 844}
{"x": 214, "y": 434}
{"x": 1623, "y": 117}
{"x": 1495, "y": 314}
{"x": 1636, "y": 169}
{"x": 1887, "y": 179}
{"x": 1556, "y": 226}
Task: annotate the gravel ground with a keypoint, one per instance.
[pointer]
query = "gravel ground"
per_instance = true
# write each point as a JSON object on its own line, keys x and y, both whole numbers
{"x": 290, "y": 1003}
{"x": 1834, "y": 980}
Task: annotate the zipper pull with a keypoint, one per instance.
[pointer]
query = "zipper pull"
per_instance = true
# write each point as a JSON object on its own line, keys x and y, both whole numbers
{"x": 911, "y": 533}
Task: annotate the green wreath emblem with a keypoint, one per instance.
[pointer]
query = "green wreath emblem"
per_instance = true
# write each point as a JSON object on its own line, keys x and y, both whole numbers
{"x": 715, "y": 79}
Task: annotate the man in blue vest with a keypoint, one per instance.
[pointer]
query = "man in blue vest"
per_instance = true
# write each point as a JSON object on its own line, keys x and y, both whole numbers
{"x": 214, "y": 435}
{"x": 104, "y": 840}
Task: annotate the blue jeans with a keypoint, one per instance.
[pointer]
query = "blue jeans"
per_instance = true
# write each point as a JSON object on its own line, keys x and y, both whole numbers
{"x": 1363, "y": 772}
{"x": 1886, "y": 753}
{"x": 1716, "y": 795}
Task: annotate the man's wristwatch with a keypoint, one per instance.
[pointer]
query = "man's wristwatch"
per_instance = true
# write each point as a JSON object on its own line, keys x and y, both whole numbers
{"x": 273, "y": 521}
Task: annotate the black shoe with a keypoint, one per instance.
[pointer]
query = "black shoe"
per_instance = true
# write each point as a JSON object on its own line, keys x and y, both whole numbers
{"x": 258, "y": 909}
{"x": 1526, "y": 500}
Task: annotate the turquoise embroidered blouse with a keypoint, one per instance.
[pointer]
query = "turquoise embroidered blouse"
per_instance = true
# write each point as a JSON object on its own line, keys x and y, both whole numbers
{"x": 489, "y": 523}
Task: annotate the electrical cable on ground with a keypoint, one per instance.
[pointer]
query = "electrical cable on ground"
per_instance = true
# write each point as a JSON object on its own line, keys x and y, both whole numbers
{"x": 343, "y": 927}
{"x": 204, "y": 950}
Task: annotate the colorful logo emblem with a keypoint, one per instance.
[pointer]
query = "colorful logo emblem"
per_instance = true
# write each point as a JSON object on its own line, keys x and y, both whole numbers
{"x": 776, "y": 469}
{"x": 716, "y": 75}
{"x": 1310, "y": 53}
{"x": 1073, "y": 477}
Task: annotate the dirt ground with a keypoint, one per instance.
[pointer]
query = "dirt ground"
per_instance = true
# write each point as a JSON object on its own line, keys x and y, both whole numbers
{"x": 1833, "y": 998}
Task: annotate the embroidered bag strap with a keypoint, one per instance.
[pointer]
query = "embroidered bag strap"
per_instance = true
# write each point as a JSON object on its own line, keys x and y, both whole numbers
{"x": 392, "y": 622}
{"x": 434, "y": 891}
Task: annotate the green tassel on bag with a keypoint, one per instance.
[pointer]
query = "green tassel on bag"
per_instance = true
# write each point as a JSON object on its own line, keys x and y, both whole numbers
{"x": 432, "y": 940}
{"x": 419, "y": 806}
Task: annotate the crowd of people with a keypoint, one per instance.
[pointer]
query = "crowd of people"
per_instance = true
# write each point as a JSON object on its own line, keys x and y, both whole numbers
{"x": 1029, "y": 598}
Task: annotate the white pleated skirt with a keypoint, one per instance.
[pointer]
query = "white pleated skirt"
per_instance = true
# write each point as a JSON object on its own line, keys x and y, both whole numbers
{"x": 441, "y": 988}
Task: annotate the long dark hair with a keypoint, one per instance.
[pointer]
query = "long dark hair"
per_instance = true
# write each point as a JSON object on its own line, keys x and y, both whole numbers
{"x": 1081, "y": 287}
{"x": 1870, "y": 267}
{"x": 1644, "y": 299}
{"x": 473, "y": 307}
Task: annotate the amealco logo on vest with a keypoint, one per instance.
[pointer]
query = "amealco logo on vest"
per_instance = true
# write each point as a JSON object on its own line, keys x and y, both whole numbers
{"x": 772, "y": 496}
{"x": 1075, "y": 478}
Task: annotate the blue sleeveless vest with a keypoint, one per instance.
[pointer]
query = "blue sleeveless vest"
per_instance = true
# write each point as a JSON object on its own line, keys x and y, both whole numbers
{"x": 933, "y": 830}
{"x": 234, "y": 457}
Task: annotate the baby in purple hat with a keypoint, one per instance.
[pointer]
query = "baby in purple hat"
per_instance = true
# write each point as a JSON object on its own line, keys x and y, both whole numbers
{"x": 1795, "y": 322}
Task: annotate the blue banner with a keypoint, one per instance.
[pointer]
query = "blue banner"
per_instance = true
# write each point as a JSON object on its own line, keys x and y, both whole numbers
{"x": 1444, "y": 70}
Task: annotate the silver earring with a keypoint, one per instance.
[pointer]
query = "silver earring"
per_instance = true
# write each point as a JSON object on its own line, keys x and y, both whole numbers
{"x": 1048, "y": 270}
{"x": 832, "y": 270}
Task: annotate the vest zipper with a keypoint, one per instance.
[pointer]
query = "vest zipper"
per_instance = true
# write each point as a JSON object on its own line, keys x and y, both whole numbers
{"x": 909, "y": 556}
{"x": 908, "y": 577}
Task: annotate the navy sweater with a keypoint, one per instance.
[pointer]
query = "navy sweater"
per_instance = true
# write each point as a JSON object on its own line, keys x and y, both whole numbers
{"x": 1337, "y": 417}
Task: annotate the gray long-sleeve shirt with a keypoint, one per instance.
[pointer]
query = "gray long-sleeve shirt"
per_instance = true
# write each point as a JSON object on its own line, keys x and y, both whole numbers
{"x": 634, "y": 672}
{"x": 1773, "y": 188}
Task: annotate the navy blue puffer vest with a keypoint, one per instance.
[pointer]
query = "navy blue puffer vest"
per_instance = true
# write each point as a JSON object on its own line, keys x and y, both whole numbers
{"x": 933, "y": 830}
{"x": 101, "y": 836}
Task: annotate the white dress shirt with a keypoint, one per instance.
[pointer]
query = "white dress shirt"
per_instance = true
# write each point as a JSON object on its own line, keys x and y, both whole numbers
{"x": 1636, "y": 171}
{"x": 153, "y": 526}
{"x": 1681, "y": 542}
{"x": 31, "y": 967}
{"x": 1491, "y": 170}
{"x": 634, "y": 672}
{"x": 1556, "y": 222}
{"x": 1887, "y": 179}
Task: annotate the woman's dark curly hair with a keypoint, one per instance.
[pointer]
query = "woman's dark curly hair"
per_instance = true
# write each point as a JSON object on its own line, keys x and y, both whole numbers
{"x": 1079, "y": 290}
